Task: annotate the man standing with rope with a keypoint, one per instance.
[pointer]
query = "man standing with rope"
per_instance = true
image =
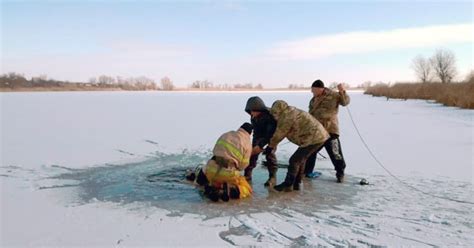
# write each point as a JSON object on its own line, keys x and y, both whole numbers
{"x": 324, "y": 106}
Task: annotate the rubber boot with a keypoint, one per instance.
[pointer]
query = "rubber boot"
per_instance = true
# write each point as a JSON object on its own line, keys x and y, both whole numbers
{"x": 286, "y": 185}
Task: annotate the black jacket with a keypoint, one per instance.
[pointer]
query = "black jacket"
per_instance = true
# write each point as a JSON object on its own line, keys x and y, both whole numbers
{"x": 264, "y": 125}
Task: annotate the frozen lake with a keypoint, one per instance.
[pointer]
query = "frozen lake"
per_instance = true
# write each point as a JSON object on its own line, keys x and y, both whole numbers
{"x": 74, "y": 170}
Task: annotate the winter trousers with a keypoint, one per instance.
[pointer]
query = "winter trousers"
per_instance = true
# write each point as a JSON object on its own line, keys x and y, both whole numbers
{"x": 271, "y": 164}
{"x": 297, "y": 162}
{"x": 333, "y": 148}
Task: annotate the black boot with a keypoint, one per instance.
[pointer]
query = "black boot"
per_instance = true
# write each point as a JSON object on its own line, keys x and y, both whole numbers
{"x": 201, "y": 178}
{"x": 225, "y": 193}
{"x": 270, "y": 182}
{"x": 340, "y": 179}
{"x": 287, "y": 185}
{"x": 207, "y": 189}
{"x": 296, "y": 186}
{"x": 248, "y": 175}
{"x": 190, "y": 175}
{"x": 234, "y": 192}
{"x": 340, "y": 176}
{"x": 271, "y": 178}
{"x": 212, "y": 193}
{"x": 297, "y": 183}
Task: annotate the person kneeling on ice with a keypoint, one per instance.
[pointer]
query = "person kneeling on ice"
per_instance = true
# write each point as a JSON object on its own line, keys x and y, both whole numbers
{"x": 302, "y": 129}
{"x": 221, "y": 175}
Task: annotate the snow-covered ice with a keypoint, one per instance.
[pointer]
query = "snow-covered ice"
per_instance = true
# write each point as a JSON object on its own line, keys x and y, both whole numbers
{"x": 106, "y": 169}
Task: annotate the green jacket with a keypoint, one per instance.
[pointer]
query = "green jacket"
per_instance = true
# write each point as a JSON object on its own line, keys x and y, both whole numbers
{"x": 326, "y": 107}
{"x": 296, "y": 125}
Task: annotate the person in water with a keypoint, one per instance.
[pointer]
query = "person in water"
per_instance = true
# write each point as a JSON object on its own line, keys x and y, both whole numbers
{"x": 221, "y": 175}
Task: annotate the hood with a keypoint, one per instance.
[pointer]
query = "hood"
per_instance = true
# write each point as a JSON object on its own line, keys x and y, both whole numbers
{"x": 255, "y": 103}
{"x": 278, "y": 108}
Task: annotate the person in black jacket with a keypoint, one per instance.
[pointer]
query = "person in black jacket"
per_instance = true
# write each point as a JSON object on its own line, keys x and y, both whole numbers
{"x": 264, "y": 126}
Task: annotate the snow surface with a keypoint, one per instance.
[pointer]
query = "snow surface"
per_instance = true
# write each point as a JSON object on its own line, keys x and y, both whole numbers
{"x": 106, "y": 169}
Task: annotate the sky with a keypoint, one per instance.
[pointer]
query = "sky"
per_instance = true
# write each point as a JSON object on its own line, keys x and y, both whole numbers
{"x": 273, "y": 43}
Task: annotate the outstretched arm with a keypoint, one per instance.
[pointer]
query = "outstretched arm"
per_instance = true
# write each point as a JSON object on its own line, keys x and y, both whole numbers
{"x": 344, "y": 98}
{"x": 283, "y": 127}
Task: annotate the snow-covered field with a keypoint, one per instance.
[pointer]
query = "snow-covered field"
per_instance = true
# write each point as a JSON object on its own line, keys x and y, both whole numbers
{"x": 75, "y": 170}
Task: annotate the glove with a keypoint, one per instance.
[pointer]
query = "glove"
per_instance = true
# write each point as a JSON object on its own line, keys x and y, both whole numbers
{"x": 268, "y": 150}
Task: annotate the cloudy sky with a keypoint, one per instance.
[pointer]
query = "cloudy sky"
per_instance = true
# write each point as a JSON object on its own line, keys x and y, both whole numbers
{"x": 274, "y": 43}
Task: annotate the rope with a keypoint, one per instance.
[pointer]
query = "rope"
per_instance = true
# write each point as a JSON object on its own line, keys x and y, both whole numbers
{"x": 391, "y": 174}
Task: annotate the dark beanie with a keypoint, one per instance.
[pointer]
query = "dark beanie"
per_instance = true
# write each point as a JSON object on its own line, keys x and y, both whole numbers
{"x": 318, "y": 84}
{"x": 247, "y": 127}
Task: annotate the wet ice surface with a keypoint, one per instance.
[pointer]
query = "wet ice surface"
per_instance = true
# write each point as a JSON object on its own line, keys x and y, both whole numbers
{"x": 157, "y": 183}
{"x": 81, "y": 179}
{"x": 323, "y": 212}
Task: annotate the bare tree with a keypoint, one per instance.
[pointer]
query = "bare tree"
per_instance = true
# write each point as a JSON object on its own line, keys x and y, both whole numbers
{"x": 243, "y": 86}
{"x": 423, "y": 69}
{"x": 13, "y": 79}
{"x": 296, "y": 86}
{"x": 104, "y": 80}
{"x": 202, "y": 84}
{"x": 443, "y": 62}
{"x": 166, "y": 84}
{"x": 333, "y": 85}
{"x": 365, "y": 85}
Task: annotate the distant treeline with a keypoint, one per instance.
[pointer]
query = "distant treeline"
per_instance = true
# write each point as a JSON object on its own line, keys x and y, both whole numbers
{"x": 17, "y": 82}
{"x": 459, "y": 94}
{"x": 208, "y": 85}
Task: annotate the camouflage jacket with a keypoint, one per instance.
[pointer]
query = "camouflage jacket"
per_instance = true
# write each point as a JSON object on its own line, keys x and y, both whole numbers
{"x": 296, "y": 125}
{"x": 326, "y": 107}
{"x": 235, "y": 147}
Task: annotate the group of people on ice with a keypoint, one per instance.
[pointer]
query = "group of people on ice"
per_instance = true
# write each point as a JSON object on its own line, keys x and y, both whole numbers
{"x": 235, "y": 151}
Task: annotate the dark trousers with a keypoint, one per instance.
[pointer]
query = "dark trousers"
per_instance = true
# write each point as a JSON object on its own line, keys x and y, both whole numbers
{"x": 271, "y": 164}
{"x": 298, "y": 161}
{"x": 333, "y": 148}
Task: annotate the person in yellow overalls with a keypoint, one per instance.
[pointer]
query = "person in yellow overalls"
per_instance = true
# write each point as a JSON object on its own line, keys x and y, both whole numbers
{"x": 221, "y": 175}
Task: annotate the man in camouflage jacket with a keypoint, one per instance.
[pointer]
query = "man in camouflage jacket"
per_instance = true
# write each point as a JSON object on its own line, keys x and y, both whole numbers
{"x": 302, "y": 129}
{"x": 324, "y": 106}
